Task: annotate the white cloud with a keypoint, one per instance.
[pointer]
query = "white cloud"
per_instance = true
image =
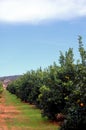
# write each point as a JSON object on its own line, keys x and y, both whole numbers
{"x": 34, "y": 11}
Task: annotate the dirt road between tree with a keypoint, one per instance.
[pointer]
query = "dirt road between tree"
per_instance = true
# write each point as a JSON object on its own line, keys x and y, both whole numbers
{"x": 7, "y": 113}
{"x": 16, "y": 115}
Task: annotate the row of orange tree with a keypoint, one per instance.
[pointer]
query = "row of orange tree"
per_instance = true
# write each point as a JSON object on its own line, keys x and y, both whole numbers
{"x": 1, "y": 89}
{"x": 57, "y": 89}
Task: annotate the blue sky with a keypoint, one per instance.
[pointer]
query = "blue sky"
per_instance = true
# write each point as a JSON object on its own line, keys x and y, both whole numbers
{"x": 32, "y": 32}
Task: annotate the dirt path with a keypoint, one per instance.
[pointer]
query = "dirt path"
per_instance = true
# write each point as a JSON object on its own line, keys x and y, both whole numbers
{"x": 7, "y": 113}
{"x": 15, "y": 115}
{"x": 3, "y": 125}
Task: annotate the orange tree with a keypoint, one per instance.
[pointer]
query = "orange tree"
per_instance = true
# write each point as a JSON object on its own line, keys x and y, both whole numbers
{"x": 76, "y": 103}
{"x": 75, "y": 109}
{"x": 1, "y": 88}
{"x": 58, "y": 86}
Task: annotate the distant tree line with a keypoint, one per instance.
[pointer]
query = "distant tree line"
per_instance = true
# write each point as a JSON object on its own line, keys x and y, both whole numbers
{"x": 58, "y": 89}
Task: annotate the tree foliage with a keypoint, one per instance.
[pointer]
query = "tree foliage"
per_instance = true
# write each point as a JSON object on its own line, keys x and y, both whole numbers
{"x": 1, "y": 88}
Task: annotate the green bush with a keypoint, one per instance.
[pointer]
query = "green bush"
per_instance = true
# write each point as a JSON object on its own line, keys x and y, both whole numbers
{"x": 1, "y": 88}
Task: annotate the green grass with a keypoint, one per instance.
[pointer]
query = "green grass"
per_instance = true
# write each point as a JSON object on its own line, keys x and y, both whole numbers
{"x": 29, "y": 117}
